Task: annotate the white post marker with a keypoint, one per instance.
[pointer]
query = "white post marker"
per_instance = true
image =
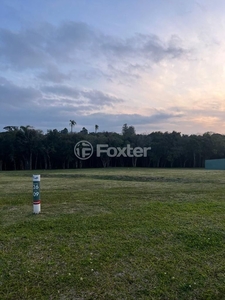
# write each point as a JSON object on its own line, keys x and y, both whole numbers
{"x": 36, "y": 194}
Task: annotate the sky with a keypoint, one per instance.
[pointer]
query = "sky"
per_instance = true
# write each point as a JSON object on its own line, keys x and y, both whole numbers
{"x": 155, "y": 65}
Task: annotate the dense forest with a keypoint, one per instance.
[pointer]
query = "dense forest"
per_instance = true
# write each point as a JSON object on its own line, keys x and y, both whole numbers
{"x": 26, "y": 148}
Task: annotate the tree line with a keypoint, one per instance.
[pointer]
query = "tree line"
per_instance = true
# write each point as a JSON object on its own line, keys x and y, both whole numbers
{"x": 26, "y": 148}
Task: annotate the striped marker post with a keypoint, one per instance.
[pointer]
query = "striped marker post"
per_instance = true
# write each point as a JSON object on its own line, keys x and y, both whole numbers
{"x": 36, "y": 194}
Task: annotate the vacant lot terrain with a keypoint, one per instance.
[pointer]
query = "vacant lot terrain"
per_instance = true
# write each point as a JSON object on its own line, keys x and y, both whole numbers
{"x": 113, "y": 234}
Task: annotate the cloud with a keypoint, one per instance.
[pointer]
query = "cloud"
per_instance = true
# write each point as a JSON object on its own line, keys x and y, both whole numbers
{"x": 21, "y": 50}
{"x": 100, "y": 98}
{"x": 74, "y": 34}
{"x": 56, "y": 104}
{"x": 52, "y": 74}
{"x": 50, "y": 113}
{"x": 72, "y": 41}
{"x": 12, "y": 95}
{"x": 142, "y": 46}
{"x": 117, "y": 120}
{"x": 61, "y": 91}
{"x": 94, "y": 97}
{"x": 63, "y": 98}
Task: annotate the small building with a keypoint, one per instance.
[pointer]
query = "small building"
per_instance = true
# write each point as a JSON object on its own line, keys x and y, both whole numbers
{"x": 215, "y": 164}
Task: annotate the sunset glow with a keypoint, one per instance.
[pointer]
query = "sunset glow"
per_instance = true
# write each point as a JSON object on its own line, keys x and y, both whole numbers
{"x": 156, "y": 65}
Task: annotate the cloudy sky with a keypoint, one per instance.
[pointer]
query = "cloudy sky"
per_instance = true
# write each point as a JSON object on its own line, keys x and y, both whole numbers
{"x": 155, "y": 65}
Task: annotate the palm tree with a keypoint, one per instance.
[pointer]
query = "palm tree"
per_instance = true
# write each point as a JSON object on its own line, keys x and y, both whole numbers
{"x": 11, "y": 128}
{"x": 96, "y": 128}
{"x": 72, "y": 124}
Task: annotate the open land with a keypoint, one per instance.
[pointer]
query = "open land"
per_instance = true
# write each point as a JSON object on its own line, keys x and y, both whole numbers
{"x": 119, "y": 233}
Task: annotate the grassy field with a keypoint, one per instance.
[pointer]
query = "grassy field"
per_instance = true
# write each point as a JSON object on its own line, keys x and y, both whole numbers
{"x": 113, "y": 234}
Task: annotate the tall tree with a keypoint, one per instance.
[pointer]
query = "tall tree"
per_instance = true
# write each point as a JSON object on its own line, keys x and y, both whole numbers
{"x": 84, "y": 131}
{"x": 11, "y": 128}
{"x": 96, "y": 128}
{"x": 72, "y": 124}
{"x": 26, "y": 140}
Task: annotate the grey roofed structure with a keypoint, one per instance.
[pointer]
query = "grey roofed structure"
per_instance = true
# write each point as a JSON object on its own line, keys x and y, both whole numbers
{"x": 215, "y": 164}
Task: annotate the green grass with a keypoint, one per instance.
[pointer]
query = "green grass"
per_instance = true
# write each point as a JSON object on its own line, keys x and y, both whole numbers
{"x": 113, "y": 234}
